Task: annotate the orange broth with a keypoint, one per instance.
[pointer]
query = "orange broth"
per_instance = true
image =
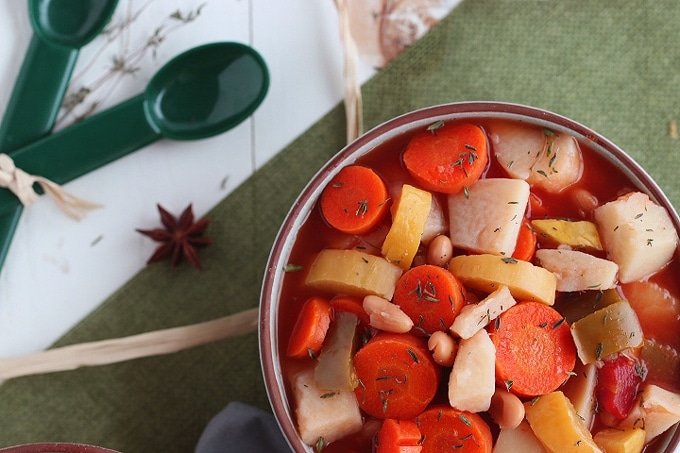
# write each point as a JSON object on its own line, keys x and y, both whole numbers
{"x": 600, "y": 178}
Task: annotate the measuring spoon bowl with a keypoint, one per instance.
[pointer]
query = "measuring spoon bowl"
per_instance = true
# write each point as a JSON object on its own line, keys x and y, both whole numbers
{"x": 69, "y": 23}
{"x": 203, "y": 92}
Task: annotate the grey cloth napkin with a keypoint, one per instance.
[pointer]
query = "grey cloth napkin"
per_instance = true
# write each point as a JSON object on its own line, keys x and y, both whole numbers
{"x": 242, "y": 428}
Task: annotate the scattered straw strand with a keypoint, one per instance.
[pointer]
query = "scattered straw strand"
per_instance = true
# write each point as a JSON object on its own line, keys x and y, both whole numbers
{"x": 127, "y": 348}
{"x": 353, "y": 100}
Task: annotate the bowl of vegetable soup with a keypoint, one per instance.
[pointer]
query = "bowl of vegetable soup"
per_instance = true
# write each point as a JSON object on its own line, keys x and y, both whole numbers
{"x": 476, "y": 277}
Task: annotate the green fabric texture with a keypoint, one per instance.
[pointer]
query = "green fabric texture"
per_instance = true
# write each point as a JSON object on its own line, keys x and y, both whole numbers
{"x": 614, "y": 66}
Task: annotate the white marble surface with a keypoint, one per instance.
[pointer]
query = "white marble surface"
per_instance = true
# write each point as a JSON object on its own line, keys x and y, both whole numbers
{"x": 57, "y": 270}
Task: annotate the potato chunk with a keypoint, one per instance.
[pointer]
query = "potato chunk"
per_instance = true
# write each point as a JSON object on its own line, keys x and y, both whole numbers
{"x": 516, "y": 148}
{"x": 655, "y": 410}
{"x": 489, "y": 272}
{"x": 559, "y": 166}
{"x": 557, "y": 425}
{"x": 353, "y": 272}
{"x": 320, "y": 413}
{"x": 518, "y": 440}
{"x": 542, "y": 157}
{"x": 473, "y": 377}
{"x": 578, "y": 271}
{"x": 474, "y": 317}
{"x": 637, "y": 234}
{"x": 580, "y": 389}
{"x": 437, "y": 222}
{"x": 487, "y": 218}
{"x": 335, "y": 367}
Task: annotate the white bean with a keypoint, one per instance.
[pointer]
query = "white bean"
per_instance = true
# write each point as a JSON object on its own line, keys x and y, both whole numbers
{"x": 443, "y": 348}
{"x": 440, "y": 251}
{"x": 384, "y": 315}
{"x": 585, "y": 201}
{"x": 506, "y": 408}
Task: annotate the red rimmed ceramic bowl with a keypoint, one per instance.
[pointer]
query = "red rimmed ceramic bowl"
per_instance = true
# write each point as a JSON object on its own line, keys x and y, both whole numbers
{"x": 299, "y": 235}
{"x": 55, "y": 447}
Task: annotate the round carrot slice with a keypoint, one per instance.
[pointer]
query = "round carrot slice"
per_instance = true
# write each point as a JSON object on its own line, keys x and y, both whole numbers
{"x": 310, "y": 328}
{"x": 355, "y": 200}
{"x": 535, "y": 351}
{"x": 447, "y": 158}
{"x": 444, "y": 428}
{"x": 526, "y": 242}
{"x": 397, "y": 376}
{"x": 431, "y": 296}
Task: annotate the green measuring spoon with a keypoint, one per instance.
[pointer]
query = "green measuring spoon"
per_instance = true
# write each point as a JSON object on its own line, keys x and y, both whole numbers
{"x": 200, "y": 93}
{"x": 61, "y": 28}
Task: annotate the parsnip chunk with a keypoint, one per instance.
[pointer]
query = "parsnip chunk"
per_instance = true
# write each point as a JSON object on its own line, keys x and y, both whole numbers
{"x": 607, "y": 331}
{"x": 637, "y": 234}
{"x": 320, "y": 413}
{"x": 557, "y": 425}
{"x": 580, "y": 235}
{"x": 353, "y": 272}
{"x": 474, "y": 317}
{"x": 613, "y": 440}
{"x": 487, "y": 273}
{"x": 472, "y": 381}
{"x": 578, "y": 271}
{"x": 487, "y": 217}
{"x": 409, "y": 215}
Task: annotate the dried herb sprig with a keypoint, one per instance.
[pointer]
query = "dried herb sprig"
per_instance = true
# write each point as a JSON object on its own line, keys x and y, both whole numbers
{"x": 77, "y": 104}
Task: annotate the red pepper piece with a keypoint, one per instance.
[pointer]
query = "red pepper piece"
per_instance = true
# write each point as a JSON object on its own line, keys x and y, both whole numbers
{"x": 618, "y": 383}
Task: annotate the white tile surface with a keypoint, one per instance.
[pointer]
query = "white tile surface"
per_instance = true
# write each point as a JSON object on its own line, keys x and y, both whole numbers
{"x": 58, "y": 270}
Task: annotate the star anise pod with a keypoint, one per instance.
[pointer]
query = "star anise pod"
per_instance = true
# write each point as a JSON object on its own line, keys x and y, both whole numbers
{"x": 180, "y": 237}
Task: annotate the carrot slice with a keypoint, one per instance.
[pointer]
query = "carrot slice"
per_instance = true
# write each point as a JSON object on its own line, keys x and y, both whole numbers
{"x": 431, "y": 296}
{"x": 350, "y": 304}
{"x": 526, "y": 242}
{"x": 447, "y": 158}
{"x": 397, "y": 376}
{"x": 355, "y": 200}
{"x": 535, "y": 352}
{"x": 398, "y": 436}
{"x": 310, "y": 328}
{"x": 444, "y": 428}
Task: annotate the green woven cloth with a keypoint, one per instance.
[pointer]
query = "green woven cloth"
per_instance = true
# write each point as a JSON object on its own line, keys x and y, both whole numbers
{"x": 614, "y": 66}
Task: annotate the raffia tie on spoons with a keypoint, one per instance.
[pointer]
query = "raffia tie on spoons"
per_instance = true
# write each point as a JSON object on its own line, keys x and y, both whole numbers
{"x": 21, "y": 184}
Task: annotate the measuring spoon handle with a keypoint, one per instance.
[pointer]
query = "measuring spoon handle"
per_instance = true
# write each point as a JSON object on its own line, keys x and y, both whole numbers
{"x": 37, "y": 95}
{"x": 84, "y": 146}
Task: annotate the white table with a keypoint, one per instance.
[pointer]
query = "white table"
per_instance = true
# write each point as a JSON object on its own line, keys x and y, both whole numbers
{"x": 58, "y": 270}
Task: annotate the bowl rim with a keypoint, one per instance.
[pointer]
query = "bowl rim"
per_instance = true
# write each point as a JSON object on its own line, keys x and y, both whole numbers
{"x": 267, "y": 330}
{"x": 56, "y": 447}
